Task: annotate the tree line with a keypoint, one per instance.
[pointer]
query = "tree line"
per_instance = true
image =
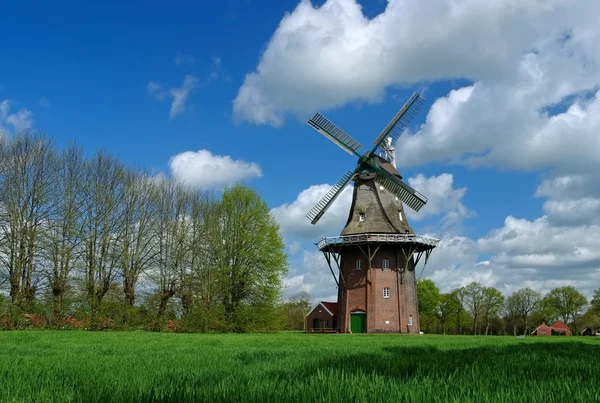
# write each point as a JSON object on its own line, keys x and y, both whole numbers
{"x": 479, "y": 310}
{"x": 87, "y": 241}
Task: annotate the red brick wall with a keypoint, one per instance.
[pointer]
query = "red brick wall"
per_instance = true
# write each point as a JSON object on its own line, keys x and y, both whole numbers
{"x": 364, "y": 290}
{"x": 544, "y": 331}
{"x": 319, "y": 313}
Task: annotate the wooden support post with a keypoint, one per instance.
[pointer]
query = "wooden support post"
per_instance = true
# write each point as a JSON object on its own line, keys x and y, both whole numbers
{"x": 328, "y": 258}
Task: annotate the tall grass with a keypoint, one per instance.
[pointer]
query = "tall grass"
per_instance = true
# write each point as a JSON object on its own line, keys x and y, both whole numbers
{"x": 105, "y": 367}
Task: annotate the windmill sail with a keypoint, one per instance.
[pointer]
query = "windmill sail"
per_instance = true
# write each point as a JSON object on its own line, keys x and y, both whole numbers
{"x": 319, "y": 209}
{"x": 402, "y": 119}
{"x": 335, "y": 134}
{"x": 403, "y": 191}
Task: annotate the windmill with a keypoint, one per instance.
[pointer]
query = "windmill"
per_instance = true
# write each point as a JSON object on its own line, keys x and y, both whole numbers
{"x": 379, "y": 295}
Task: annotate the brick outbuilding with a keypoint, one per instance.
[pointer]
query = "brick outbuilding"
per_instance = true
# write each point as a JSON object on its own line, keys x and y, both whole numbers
{"x": 323, "y": 317}
{"x": 542, "y": 330}
{"x": 560, "y": 328}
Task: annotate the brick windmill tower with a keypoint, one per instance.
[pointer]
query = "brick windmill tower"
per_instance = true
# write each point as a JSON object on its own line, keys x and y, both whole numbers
{"x": 376, "y": 254}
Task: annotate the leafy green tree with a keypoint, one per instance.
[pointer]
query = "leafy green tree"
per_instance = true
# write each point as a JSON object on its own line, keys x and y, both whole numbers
{"x": 474, "y": 302}
{"x": 460, "y": 295}
{"x": 511, "y": 314}
{"x": 595, "y": 304}
{"x": 295, "y": 310}
{"x": 250, "y": 256}
{"x": 492, "y": 303}
{"x": 566, "y": 301}
{"x": 428, "y": 295}
{"x": 448, "y": 304}
{"x": 525, "y": 302}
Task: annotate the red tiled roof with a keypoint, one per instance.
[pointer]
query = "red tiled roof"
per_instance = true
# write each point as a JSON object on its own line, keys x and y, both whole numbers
{"x": 332, "y": 306}
{"x": 560, "y": 325}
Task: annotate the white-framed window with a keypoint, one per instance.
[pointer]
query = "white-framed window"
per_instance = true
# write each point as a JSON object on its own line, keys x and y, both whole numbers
{"x": 361, "y": 217}
{"x": 385, "y": 264}
{"x": 400, "y": 215}
{"x": 409, "y": 320}
{"x": 359, "y": 264}
{"x": 386, "y": 292}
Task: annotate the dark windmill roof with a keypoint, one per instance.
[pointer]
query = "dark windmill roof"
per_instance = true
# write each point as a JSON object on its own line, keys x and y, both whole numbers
{"x": 385, "y": 164}
{"x": 383, "y": 212}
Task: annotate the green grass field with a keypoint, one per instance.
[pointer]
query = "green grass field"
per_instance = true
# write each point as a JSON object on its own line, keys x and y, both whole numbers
{"x": 46, "y": 366}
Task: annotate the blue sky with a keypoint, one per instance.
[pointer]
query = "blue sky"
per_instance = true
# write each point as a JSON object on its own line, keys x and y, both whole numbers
{"x": 239, "y": 78}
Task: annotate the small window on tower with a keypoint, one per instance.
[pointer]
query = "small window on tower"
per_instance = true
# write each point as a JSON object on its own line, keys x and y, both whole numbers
{"x": 400, "y": 215}
{"x": 385, "y": 264}
{"x": 386, "y": 292}
{"x": 359, "y": 264}
{"x": 361, "y": 217}
{"x": 409, "y": 320}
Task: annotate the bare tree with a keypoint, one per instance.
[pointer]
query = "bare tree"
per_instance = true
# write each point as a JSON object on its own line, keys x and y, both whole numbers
{"x": 102, "y": 225}
{"x": 136, "y": 241}
{"x": 197, "y": 279}
{"x": 65, "y": 227}
{"x": 172, "y": 230}
{"x": 27, "y": 175}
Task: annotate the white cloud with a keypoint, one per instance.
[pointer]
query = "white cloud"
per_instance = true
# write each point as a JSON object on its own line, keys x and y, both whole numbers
{"x": 313, "y": 276}
{"x": 154, "y": 88}
{"x": 293, "y": 247}
{"x": 560, "y": 248}
{"x": 292, "y": 220}
{"x": 442, "y": 199}
{"x": 205, "y": 170}
{"x": 44, "y": 103}
{"x": 493, "y": 127}
{"x": 179, "y": 95}
{"x": 544, "y": 114}
{"x": 19, "y": 120}
{"x": 320, "y": 58}
{"x": 181, "y": 58}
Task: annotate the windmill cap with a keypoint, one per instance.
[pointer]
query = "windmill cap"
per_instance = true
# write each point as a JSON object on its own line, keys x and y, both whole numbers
{"x": 385, "y": 164}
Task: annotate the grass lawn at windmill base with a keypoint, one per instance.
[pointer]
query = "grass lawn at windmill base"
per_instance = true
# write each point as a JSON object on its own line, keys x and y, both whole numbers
{"x": 80, "y": 366}
{"x": 373, "y": 260}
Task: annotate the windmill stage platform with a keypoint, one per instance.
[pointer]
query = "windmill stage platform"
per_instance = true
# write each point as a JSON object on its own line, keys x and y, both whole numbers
{"x": 417, "y": 243}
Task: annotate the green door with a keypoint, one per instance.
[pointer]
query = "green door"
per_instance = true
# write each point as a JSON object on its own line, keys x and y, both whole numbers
{"x": 358, "y": 322}
{"x": 315, "y": 323}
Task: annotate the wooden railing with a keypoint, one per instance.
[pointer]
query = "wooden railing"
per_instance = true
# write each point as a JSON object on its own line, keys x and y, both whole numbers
{"x": 385, "y": 238}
